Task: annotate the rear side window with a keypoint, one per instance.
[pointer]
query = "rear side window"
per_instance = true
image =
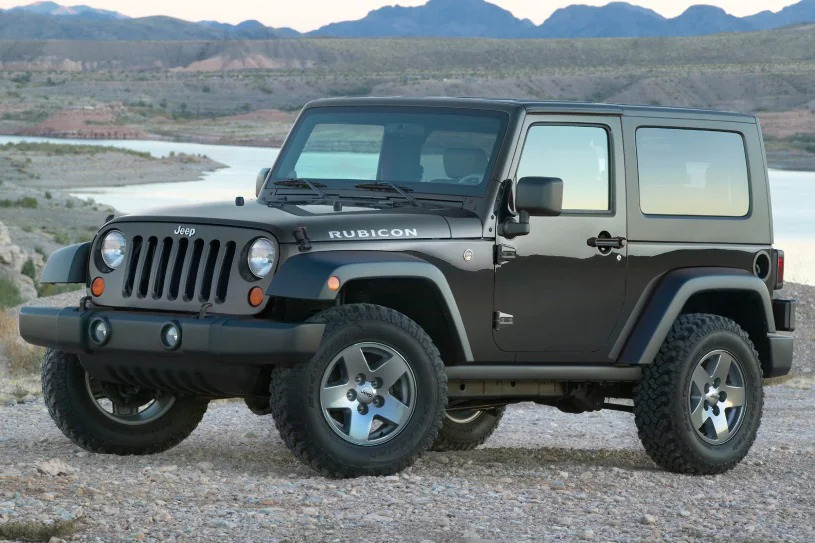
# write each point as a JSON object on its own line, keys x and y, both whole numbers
{"x": 692, "y": 172}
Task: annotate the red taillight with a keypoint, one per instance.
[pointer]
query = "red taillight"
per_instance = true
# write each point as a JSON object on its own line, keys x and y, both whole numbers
{"x": 779, "y": 270}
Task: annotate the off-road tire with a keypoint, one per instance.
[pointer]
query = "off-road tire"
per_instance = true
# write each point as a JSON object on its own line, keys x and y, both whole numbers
{"x": 458, "y": 436}
{"x": 72, "y": 409}
{"x": 296, "y": 405}
{"x": 661, "y": 398}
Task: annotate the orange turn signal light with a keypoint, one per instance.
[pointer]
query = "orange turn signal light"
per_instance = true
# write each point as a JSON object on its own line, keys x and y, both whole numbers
{"x": 98, "y": 286}
{"x": 334, "y": 283}
{"x": 255, "y": 296}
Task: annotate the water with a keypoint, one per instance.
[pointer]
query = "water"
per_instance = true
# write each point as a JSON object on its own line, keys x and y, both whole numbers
{"x": 793, "y": 193}
{"x": 237, "y": 179}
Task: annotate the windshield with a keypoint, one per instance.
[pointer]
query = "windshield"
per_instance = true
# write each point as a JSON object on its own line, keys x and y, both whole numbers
{"x": 420, "y": 150}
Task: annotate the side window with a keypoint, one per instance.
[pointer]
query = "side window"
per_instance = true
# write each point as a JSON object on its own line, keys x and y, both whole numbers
{"x": 340, "y": 151}
{"x": 692, "y": 172}
{"x": 579, "y": 155}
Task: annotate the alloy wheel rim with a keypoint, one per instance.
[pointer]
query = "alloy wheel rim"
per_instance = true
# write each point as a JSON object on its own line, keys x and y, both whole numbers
{"x": 156, "y": 408}
{"x": 368, "y": 393}
{"x": 717, "y": 397}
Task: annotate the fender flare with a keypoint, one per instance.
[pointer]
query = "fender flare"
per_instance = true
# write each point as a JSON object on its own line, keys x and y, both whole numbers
{"x": 67, "y": 265}
{"x": 668, "y": 298}
{"x": 305, "y": 276}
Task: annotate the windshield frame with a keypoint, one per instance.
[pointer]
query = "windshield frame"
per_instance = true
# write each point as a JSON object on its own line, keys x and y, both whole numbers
{"x": 298, "y": 137}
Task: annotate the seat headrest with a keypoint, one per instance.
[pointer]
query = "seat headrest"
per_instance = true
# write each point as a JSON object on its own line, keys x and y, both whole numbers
{"x": 462, "y": 161}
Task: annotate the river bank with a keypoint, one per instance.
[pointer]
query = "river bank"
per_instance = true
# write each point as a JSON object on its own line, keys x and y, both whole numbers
{"x": 39, "y": 213}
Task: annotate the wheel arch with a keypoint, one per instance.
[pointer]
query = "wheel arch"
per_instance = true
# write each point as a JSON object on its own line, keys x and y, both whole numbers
{"x": 67, "y": 265}
{"x": 398, "y": 281}
{"x": 729, "y": 292}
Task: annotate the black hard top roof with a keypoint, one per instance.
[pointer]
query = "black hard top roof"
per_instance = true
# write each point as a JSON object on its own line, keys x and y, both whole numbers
{"x": 531, "y": 106}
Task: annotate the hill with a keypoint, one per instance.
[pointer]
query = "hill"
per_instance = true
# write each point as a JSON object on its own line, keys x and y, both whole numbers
{"x": 436, "y": 18}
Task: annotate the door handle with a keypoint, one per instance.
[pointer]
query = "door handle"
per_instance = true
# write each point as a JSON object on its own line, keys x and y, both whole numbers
{"x": 606, "y": 242}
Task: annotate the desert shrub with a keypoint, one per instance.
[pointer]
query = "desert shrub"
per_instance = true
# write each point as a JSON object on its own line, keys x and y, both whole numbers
{"x": 49, "y": 289}
{"x": 22, "y": 357}
{"x": 9, "y": 294}
{"x": 29, "y": 269}
{"x": 36, "y": 530}
{"x": 26, "y": 202}
{"x": 62, "y": 238}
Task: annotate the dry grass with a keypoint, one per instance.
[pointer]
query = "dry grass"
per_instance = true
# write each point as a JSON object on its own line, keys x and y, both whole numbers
{"x": 22, "y": 358}
{"x": 36, "y": 530}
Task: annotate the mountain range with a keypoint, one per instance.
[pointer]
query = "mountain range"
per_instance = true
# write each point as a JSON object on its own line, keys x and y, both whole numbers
{"x": 436, "y": 18}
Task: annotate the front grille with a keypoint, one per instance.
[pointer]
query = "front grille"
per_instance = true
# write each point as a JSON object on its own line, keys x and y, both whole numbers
{"x": 171, "y": 268}
{"x": 165, "y": 271}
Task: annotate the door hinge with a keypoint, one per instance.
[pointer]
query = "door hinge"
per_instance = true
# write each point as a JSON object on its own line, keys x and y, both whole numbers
{"x": 505, "y": 253}
{"x": 501, "y": 320}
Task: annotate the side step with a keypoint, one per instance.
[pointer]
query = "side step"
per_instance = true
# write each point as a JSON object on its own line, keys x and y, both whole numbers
{"x": 591, "y": 374}
{"x": 530, "y": 381}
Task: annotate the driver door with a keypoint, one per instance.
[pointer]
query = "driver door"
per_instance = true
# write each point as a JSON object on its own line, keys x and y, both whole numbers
{"x": 563, "y": 295}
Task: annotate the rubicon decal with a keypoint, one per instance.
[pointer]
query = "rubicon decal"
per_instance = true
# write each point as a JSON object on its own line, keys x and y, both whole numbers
{"x": 380, "y": 233}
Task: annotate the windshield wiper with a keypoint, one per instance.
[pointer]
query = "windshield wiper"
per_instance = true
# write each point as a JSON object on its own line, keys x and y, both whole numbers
{"x": 387, "y": 185}
{"x": 299, "y": 183}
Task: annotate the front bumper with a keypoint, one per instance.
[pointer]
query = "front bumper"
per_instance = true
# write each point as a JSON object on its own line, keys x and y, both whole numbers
{"x": 216, "y": 356}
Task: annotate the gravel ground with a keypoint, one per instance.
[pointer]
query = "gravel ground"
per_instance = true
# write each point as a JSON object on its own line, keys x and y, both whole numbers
{"x": 544, "y": 475}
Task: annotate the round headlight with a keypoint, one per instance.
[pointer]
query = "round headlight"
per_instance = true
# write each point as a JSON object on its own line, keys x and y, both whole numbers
{"x": 261, "y": 257}
{"x": 113, "y": 249}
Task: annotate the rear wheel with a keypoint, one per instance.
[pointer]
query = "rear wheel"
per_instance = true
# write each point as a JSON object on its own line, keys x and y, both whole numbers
{"x": 109, "y": 418}
{"x": 698, "y": 406}
{"x": 369, "y": 402}
{"x": 463, "y": 430}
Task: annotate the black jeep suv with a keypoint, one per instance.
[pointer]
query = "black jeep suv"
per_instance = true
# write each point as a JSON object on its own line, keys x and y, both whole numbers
{"x": 412, "y": 266}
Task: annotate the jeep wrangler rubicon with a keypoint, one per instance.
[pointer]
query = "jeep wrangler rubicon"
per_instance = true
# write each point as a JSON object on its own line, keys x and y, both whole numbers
{"x": 412, "y": 266}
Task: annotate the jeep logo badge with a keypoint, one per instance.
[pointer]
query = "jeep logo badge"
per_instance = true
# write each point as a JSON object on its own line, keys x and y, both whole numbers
{"x": 189, "y": 232}
{"x": 366, "y": 393}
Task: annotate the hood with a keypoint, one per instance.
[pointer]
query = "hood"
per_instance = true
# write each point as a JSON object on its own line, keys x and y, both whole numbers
{"x": 323, "y": 223}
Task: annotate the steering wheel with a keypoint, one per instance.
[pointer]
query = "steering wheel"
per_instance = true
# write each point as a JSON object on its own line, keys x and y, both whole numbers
{"x": 471, "y": 179}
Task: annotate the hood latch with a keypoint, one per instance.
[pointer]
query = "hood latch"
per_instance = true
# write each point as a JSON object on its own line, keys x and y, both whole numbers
{"x": 301, "y": 237}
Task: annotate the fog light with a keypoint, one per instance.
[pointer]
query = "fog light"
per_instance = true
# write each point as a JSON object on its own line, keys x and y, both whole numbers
{"x": 99, "y": 331}
{"x": 170, "y": 336}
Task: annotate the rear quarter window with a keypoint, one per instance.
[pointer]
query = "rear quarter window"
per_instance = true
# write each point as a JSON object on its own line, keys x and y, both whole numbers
{"x": 692, "y": 172}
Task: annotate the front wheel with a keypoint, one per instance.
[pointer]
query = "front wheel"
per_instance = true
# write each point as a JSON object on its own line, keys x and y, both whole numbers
{"x": 369, "y": 402}
{"x": 107, "y": 418}
{"x": 698, "y": 406}
{"x": 467, "y": 429}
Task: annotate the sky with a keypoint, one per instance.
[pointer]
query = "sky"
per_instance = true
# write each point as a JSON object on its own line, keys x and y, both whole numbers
{"x": 304, "y": 15}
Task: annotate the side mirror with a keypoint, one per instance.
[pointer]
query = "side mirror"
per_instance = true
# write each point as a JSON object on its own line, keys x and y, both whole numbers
{"x": 261, "y": 180}
{"x": 536, "y": 196}
{"x": 540, "y": 196}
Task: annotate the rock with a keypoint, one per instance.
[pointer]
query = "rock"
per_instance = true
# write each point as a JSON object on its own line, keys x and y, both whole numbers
{"x": 56, "y": 540}
{"x": 684, "y": 512}
{"x": 55, "y": 467}
{"x": 48, "y": 496}
{"x": 373, "y": 517}
{"x": 204, "y": 466}
{"x": 648, "y": 519}
{"x": 587, "y": 535}
{"x": 558, "y": 485}
{"x": 250, "y": 435}
{"x": 221, "y": 523}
